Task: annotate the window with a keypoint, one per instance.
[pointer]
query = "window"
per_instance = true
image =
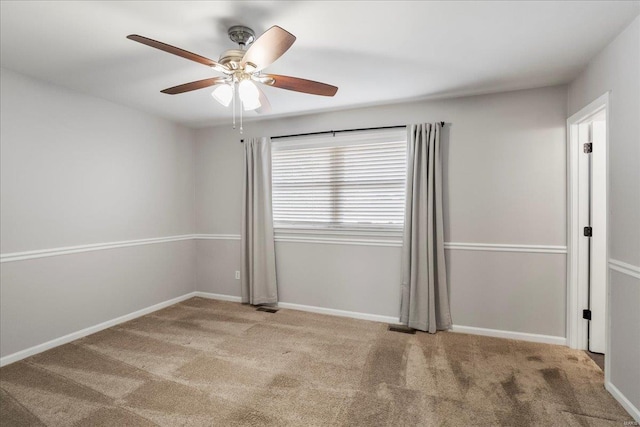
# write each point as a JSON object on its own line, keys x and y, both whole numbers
{"x": 350, "y": 180}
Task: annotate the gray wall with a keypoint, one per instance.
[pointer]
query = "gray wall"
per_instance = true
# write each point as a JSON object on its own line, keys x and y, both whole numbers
{"x": 78, "y": 170}
{"x": 361, "y": 279}
{"x": 47, "y": 298}
{"x": 504, "y": 184}
{"x": 617, "y": 69}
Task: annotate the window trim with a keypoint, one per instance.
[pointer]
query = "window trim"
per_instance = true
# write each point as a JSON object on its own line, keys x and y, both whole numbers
{"x": 387, "y": 232}
{"x": 344, "y": 236}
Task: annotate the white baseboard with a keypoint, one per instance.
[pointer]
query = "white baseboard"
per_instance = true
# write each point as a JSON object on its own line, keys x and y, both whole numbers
{"x": 292, "y": 306}
{"x": 309, "y": 308}
{"x": 342, "y": 313}
{"x": 523, "y": 336}
{"x": 621, "y": 398}
{"x": 220, "y": 297}
{"x": 90, "y": 330}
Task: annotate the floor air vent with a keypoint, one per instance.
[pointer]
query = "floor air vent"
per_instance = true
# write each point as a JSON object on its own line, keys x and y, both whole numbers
{"x": 267, "y": 309}
{"x": 402, "y": 328}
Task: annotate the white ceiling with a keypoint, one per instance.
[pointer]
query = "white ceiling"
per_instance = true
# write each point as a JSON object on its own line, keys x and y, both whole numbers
{"x": 375, "y": 51}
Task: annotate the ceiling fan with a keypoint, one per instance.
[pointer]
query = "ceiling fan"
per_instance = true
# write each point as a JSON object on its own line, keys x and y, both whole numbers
{"x": 242, "y": 68}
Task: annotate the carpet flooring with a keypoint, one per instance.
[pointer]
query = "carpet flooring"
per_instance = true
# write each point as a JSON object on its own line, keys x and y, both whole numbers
{"x": 596, "y": 357}
{"x": 211, "y": 363}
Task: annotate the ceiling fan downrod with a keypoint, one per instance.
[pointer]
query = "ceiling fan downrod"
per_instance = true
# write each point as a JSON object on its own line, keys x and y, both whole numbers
{"x": 241, "y": 35}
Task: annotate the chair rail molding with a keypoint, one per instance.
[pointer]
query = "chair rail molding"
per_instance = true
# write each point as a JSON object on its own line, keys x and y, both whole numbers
{"x": 216, "y": 236}
{"x": 624, "y": 268}
{"x": 501, "y": 247}
{"x": 67, "y": 250}
{"x": 344, "y": 237}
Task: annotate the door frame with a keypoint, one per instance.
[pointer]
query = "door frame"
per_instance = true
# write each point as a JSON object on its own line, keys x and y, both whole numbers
{"x": 577, "y": 295}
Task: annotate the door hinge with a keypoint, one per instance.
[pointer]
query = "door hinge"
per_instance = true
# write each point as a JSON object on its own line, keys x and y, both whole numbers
{"x": 588, "y": 231}
{"x": 586, "y": 314}
{"x": 588, "y": 146}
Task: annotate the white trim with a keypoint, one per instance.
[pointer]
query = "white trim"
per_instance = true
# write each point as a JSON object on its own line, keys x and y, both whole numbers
{"x": 488, "y": 247}
{"x": 575, "y": 331}
{"x": 339, "y": 241}
{"x": 522, "y": 336}
{"x": 41, "y": 253}
{"x": 339, "y": 236}
{"x": 623, "y": 267}
{"x": 577, "y": 298}
{"x": 220, "y": 297}
{"x": 492, "y": 247}
{"x": 310, "y": 309}
{"x": 287, "y": 236}
{"x": 593, "y": 107}
{"x": 90, "y": 330}
{"x": 67, "y": 250}
{"x": 216, "y": 236}
{"x": 341, "y": 313}
{"x": 11, "y": 358}
{"x": 621, "y": 398}
{"x": 308, "y": 235}
{"x": 346, "y": 231}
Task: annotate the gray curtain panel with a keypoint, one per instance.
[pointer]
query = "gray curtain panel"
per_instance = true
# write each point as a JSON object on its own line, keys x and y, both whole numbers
{"x": 425, "y": 296}
{"x": 258, "y": 262}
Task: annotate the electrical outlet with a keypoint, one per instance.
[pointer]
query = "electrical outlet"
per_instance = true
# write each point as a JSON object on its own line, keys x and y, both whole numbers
{"x": 237, "y": 275}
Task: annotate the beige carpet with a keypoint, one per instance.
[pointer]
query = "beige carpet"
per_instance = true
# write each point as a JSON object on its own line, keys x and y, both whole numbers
{"x": 212, "y": 363}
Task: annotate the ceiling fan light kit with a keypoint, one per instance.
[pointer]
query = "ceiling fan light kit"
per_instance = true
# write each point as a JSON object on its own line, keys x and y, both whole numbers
{"x": 242, "y": 69}
{"x": 249, "y": 95}
{"x": 223, "y": 94}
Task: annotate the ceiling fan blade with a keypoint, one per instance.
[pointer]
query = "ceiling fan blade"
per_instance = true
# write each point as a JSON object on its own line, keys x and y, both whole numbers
{"x": 200, "y": 84}
{"x": 267, "y": 48}
{"x": 299, "y": 85}
{"x": 177, "y": 51}
{"x": 265, "y": 105}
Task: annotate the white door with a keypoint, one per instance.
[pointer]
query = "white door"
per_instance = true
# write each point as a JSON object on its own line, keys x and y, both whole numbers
{"x": 598, "y": 240}
{"x": 587, "y": 267}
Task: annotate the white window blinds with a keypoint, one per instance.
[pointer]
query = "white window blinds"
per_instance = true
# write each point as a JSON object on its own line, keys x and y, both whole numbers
{"x": 347, "y": 180}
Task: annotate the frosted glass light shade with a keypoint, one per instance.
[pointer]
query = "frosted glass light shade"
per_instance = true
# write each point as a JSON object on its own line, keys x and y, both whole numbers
{"x": 249, "y": 95}
{"x": 223, "y": 94}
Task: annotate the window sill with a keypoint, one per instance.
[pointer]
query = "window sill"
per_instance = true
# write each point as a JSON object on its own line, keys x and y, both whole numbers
{"x": 359, "y": 236}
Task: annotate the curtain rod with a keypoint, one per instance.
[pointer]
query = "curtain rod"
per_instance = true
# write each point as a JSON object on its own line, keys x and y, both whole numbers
{"x": 340, "y": 131}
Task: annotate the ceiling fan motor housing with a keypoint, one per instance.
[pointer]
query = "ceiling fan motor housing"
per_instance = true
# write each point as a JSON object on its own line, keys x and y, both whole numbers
{"x": 231, "y": 58}
{"x": 241, "y": 35}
